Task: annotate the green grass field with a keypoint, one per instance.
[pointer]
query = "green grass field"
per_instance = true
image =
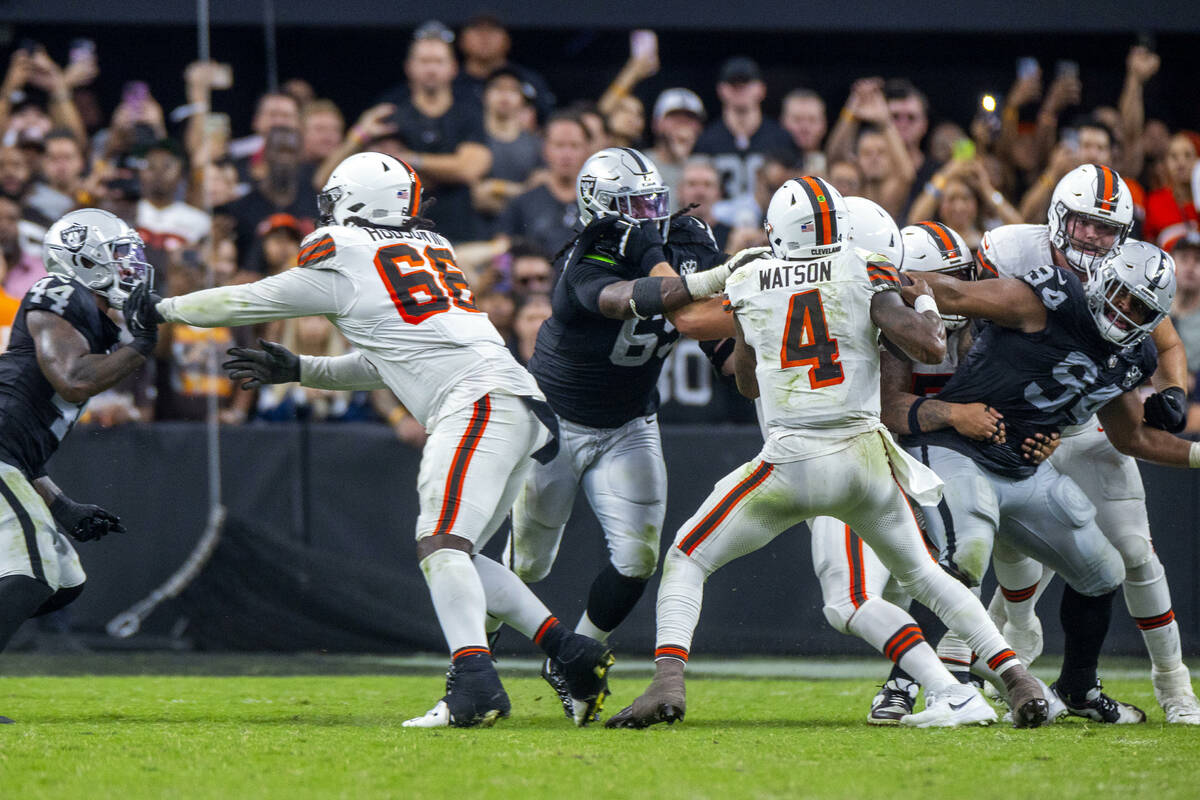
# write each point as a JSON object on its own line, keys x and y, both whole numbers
{"x": 261, "y": 734}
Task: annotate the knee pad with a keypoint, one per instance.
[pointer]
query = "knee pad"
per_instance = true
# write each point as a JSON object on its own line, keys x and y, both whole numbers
{"x": 1146, "y": 571}
{"x": 838, "y": 615}
{"x": 636, "y": 557}
{"x": 1136, "y": 552}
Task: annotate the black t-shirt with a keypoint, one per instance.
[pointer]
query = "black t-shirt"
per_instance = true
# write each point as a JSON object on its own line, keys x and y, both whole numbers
{"x": 738, "y": 162}
{"x": 1041, "y": 382}
{"x": 462, "y": 122}
{"x": 33, "y": 417}
{"x": 540, "y": 216}
{"x": 250, "y": 210}
{"x": 470, "y": 88}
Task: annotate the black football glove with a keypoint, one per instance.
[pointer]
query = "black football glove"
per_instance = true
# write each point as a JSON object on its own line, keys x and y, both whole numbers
{"x": 639, "y": 242}
{"x": 82, "y": 521}
{"x": 1167, "y": 410}
{"x": 141, "y": 318}
{"x": 273, "y": 364}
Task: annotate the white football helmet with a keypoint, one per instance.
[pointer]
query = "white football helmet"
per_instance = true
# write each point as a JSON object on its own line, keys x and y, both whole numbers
{"x": 1089, "y": 193}
{"x": 373, "y": 187}
{"x": 872, "y": 228}
{"x": 621, "y": 180}
{"x": 100, "y": 251}
{"x": 1141, "y": 275}
{"x": 806, "y": 218}
{"x": 934, "y": 247}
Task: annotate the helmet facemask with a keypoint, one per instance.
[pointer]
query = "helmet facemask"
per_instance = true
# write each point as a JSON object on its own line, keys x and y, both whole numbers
{"x": 1125, "y": 313}
{"x": 128, "y": 269}
{"x": 1086, "y": 254}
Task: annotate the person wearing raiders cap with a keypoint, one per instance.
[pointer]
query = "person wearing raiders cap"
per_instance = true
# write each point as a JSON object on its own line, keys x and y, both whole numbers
{"x": 678, "y": 120}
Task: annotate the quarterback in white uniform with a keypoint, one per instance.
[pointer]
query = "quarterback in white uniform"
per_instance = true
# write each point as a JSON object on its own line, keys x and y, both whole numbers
{"x": 808, "y": 323}
{"x": 394, "y": 291}
{"x": 1109, "y": 479}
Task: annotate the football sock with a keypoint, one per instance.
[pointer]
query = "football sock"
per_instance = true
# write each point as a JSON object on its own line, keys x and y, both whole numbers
{"x": 509, "y": 599}
{"x": 955, "y": 654}
{"x": 680, "y": 596}
{"x": 1018, "y": 585}
{"x": 610, "y": 600}
{"x": 458, "y": 598}
{"x": 1149, "y": 601}
{"x": 901, "y": 677}
{"x": 20, "y": 598}
{"x": 893, "y": 632}
{"x": 550, "y": 636}
{"x": 1085, "y": 624}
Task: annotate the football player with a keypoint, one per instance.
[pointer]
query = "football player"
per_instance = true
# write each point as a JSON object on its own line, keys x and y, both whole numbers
{"x": 598, "y": 366}
{"x": 1055, "y": 353}
{"x": 807, "y": 324}
{"x": 64, "y": 349}
{"x": 1091, "y": 212}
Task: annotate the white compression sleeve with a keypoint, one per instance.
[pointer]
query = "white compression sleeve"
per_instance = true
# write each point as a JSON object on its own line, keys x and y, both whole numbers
{"x": 349, "y": 372}
{"x": 293, "y": 293}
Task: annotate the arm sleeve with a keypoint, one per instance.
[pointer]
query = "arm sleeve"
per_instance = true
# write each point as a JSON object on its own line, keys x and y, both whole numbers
{"x": 351, "y": 372}
{"x": 293, "y": 293}
{"x": 587, "y": 279}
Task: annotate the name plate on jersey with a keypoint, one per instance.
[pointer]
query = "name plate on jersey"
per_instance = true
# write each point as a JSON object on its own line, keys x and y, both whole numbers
{"x": 787, "y": 275}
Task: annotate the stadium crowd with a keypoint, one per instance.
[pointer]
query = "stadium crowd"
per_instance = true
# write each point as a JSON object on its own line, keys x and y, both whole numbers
{"x": 499, "y": 154}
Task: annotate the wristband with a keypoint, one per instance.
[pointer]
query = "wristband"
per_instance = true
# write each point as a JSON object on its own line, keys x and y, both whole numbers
{"x": 925, "y": 303}
{"x": 646, "y": 300}
{"x": 914, "y": 425}
{"x": 1194, "y": 456}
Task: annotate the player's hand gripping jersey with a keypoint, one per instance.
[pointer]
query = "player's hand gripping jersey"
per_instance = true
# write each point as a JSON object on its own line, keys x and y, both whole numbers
{"x": 33, "y": 417}
{"x": 1008, "y": 370}
{"x": 399, "y": 298}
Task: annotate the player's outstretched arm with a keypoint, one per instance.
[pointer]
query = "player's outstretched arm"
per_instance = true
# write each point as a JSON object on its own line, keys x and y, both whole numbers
{"x": 65, "y": 357}
{"x": 1005, "y": 301}
{"x": 83, "y": 521}
{"x": 904, "y": 412}
{"x": 919, "y": 334}
{"x": 1123, "y": 425}
{"x": 299, "y": 292}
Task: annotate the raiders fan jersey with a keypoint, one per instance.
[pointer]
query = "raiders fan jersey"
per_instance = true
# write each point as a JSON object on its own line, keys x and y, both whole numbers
{"x": 603, "y": 372}
{"x": 1041, "y": 382}
{"x": 33, "y": 417}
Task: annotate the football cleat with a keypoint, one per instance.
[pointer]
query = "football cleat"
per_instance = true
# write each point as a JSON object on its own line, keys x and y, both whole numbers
{"x": 957, "y": 704}
{"x": 1173, "y": 691}
{"x": 475, "y": 698}
{"x": 1056, "y": 709}
{"x": 579, "y": 676}
{"x": 1025, "y": 697}
{"x": 1096, "y": 705}
{"x": 665, "y": 699}
{"x": 1025, "y": 642}
{"x": 893, "y": 702}
{"x": 1181, "y": 709}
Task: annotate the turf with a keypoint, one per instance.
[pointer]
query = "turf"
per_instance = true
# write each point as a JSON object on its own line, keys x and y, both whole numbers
{"x": 339, "y": 736}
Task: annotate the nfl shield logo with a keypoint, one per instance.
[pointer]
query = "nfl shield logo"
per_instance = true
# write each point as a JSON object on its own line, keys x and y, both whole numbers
{"x": 73, "y": 237}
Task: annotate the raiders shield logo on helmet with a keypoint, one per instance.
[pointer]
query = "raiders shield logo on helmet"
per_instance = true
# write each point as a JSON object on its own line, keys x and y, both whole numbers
{"x": 587, "y": 186}
{"x": 74, "y": 237}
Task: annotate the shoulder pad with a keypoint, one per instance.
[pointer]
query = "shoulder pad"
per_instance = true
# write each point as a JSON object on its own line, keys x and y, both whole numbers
{"x": 1010, "y": 250}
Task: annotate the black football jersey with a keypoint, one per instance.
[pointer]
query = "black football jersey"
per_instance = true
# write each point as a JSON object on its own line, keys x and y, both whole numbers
{"x": 603, "y": 372}
{"x": 33, "y": 417}
{"x": 1041, "y": 382}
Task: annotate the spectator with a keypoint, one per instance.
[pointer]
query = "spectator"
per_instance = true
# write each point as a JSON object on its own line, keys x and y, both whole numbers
{"x": 62, "y": 172}
{"x": 1089, "y": 142}
{"x": 1156, "y": 138}
{"x": 323, "y": 127}
{"x": 700, "y": 185}
{"x": 746, "y": 214}
{"x": 546, "y": 214}
{"x": 311, "y": 336}
{"x": 1171, "y": 209}
{"x": 530, "y": 269}
{"x": 208, "y": 135}
{"x": 35, "y": 68}
{"x": 1185, "y": 311}
{"x": 301, "y": 91}
{"x": 626, "y": 122}
{"x": 738, "y": 140}
{"x": 593, "y": 122}
{"x": 274, "y": 110}
{"x": 887, "y": 172}
{"x": 218, "y": 185}
{"x": 624, "y": 115}
{"x": 531, "y": 312}
{"x": 280, "y": 187}
{"x": 279, "y": 238}
{"x": 803, "y": 117}
{"x": 908, "y": 109}
{"x": 444, "y": 136}
{"x": 678, "y": 121}
{"x": 15, "y": 176}
{"x": 164, "y": 221}
{"x": 516, "y": 152}
{"x": 847, "y": 178}
{"x": 23, "y": 259}
{"x": 8, "y": 306}
{"x": 962, "y": 196}
{"x": 888, "y": 157}
{"x": 500, "y": 308}
{"x": 485, "y": 46}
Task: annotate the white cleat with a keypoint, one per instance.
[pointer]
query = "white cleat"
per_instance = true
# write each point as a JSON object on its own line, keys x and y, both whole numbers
{"x": 436, "y": 717}
{"x": 1181, "y": 709}
{"x": 1026, "y": 642}
{"x": 1173, "y": 691}
{"x": 952, "y": 707}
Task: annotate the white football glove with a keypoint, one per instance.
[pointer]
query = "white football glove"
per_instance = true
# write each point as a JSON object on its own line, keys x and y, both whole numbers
{"x": 712, "y": 281}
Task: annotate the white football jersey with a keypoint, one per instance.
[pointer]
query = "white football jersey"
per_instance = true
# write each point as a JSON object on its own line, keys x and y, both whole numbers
{"x": 1011, "y": 251}
{"x": 399, "y": 298}
{"x": 817, "y": 349}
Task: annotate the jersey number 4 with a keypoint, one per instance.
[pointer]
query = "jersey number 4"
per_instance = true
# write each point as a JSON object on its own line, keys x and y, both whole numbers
{"x": 806, "y": 341}
{"x": 422, "y": 284}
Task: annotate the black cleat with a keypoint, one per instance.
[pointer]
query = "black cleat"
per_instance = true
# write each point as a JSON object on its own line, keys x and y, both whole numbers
{"x": 1096, "y": 705}
{"x": 475, "y": 698}
{"x": 892, "y": 702}
{"x": 579, "y": 675}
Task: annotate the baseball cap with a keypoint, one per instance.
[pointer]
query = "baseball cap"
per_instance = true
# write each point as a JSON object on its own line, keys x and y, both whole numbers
{"x": 528, "y": 90}
{"x": 283, "y": 221}
{"x": 1189, "y": 241}
{"x": 739, "y": 69}
{"x": 678, "y": 99}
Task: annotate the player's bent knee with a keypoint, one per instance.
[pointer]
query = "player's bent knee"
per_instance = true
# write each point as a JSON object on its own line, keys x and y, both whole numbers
{"x": 1136, "y": 552}
{"x": 636, "y": 559}
{"x": 1147, "y": 571}
{"x": 430, "y": 544}
{"x": 60, "y": 600}
{"x": 531, "y": 571}
{"x": 838, "y": 615}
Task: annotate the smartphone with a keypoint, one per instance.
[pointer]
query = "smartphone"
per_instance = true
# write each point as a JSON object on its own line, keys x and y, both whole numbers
{"x": 222, "y": 76}
{"x": 1027, "y": 67}
{"x": 963, "y": 150}
{"x": 643, "y": 44}
{"x": 81, "y": 50}
{"x": 135, "y": 95}
{"x": 989, "y": 107}
{"x": 1066, "y": 69}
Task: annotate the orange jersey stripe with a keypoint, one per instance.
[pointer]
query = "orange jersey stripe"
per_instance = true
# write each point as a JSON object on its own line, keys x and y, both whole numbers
{"x": 719, "y": 512}
{"x": 462, "y": 460}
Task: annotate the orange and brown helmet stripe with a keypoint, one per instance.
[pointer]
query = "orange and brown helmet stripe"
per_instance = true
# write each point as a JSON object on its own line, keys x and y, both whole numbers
{"x": 1108, "y": 188}
{"x": 415, "y": 204}
{"x": 942, "y": 238}
{"x": 824, "y": 216}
